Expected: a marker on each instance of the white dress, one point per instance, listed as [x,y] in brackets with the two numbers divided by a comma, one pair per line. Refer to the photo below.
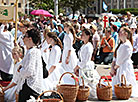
[45,51]
[10,93]
[68,42]
[123,60]
[6,46]
[54,58]
[87,71]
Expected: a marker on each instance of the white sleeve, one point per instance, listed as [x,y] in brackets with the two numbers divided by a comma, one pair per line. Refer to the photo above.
[55,54]
[29,70]
[2,28]
[70,42]
[136,46]
[85,58]
[124,53]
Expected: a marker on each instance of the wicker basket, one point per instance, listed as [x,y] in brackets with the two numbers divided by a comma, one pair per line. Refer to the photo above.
[84,91]
[69,91]
[104,92]
[1,94]
[123,91]
[51,100]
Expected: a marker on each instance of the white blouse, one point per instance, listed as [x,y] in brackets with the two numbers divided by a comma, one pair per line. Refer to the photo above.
[85,54]
[54,56]
[32,69]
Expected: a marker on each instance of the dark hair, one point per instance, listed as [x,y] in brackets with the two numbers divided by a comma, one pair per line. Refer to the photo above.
[53,35]
[35,35]
[108,29]
[5,28]
[115,53]
[88,32]
[114,28]
[23,51]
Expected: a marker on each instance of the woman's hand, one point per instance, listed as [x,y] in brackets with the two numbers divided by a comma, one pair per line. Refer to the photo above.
[51,69]
[116,67]
[76,70]
[19,68]
[67,60]
[112,72]
[5,88]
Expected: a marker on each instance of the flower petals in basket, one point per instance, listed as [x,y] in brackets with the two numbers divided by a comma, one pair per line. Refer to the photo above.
[56,97]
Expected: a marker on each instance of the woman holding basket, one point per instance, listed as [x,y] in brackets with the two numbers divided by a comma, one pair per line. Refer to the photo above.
[122,63]
[85,67]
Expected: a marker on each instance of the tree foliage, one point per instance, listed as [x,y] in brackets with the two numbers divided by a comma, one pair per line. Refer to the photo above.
[75,4]
[42,4]
[123,11]
[49,4]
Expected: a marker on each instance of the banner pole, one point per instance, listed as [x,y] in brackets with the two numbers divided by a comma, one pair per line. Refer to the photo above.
[2,2]
[16,15]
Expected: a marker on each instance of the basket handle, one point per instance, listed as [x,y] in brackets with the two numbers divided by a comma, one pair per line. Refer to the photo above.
[70,74]
[82,81]
[2,89]
[122,76]
[106,78]
[50,91]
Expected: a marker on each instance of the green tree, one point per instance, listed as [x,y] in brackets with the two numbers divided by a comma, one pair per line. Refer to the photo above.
[42,4]
[75,4]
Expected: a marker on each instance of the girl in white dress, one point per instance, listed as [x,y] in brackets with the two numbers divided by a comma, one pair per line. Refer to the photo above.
[69,57]
[53,66]
[122,63]
[45,47]
[85,67]
[11,89]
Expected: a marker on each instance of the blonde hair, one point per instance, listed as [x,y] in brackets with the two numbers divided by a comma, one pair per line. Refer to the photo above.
[46,30]
[72,30]
[129,36]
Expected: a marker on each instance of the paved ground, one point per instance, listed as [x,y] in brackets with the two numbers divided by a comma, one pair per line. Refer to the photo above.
[104,70]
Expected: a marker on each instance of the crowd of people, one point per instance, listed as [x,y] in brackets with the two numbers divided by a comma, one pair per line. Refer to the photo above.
[66,45]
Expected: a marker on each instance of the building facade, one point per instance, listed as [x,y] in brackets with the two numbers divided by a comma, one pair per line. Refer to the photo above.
[96,6]
[120,4]
[22,4]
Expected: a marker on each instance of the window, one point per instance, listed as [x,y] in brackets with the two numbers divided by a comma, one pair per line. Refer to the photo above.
[12,3]
[19,5]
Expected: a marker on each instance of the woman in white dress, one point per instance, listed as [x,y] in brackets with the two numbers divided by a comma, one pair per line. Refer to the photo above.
[69,58]
[31,69]
[53,66]
[11,89]
[85,67]
[122,63]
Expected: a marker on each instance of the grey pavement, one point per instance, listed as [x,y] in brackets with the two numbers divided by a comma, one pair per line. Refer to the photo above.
[104,70]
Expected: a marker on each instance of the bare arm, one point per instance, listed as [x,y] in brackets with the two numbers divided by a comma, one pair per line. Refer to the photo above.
[10,86]
[67,59]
